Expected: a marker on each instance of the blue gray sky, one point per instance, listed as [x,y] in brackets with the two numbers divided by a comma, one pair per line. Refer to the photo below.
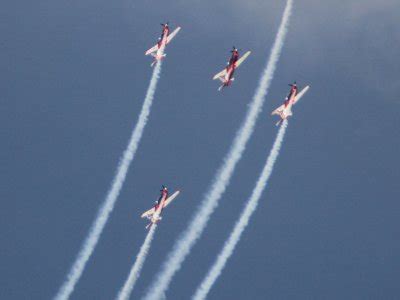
[73,80]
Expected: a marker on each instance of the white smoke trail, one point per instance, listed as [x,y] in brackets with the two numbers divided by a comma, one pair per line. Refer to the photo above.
[106,208]
[230,244]
[126,290]
[186,241]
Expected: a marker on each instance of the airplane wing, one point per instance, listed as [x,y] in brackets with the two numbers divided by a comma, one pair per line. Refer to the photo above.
[220,74]
[148,213]
[170,198]
[242,59]
[299,95]
[173,34]
[152,49]
[279,110]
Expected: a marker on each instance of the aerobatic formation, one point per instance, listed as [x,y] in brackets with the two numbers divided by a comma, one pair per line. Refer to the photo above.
[154,214]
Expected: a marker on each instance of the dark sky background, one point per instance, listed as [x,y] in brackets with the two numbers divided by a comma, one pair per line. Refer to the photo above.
[72,81]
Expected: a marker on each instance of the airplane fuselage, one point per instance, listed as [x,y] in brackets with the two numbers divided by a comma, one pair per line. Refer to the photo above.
[163,38]
[229,74]
[230,69]
[161,45]
[159,207]
[291,98]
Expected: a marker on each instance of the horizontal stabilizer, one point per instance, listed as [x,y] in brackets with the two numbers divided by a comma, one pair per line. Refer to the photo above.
[279,110]
[148,213]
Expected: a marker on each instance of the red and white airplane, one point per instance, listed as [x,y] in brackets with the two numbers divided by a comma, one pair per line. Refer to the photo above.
[285,110]
[157,51]
[226,75]
[154,214]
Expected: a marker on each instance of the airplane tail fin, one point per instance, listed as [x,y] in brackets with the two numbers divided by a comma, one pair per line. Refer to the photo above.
[153,220]
[283,116]
[283,113]
[157,58]
[225,83]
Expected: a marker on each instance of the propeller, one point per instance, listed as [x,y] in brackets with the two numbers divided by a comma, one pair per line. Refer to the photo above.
[235,49]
